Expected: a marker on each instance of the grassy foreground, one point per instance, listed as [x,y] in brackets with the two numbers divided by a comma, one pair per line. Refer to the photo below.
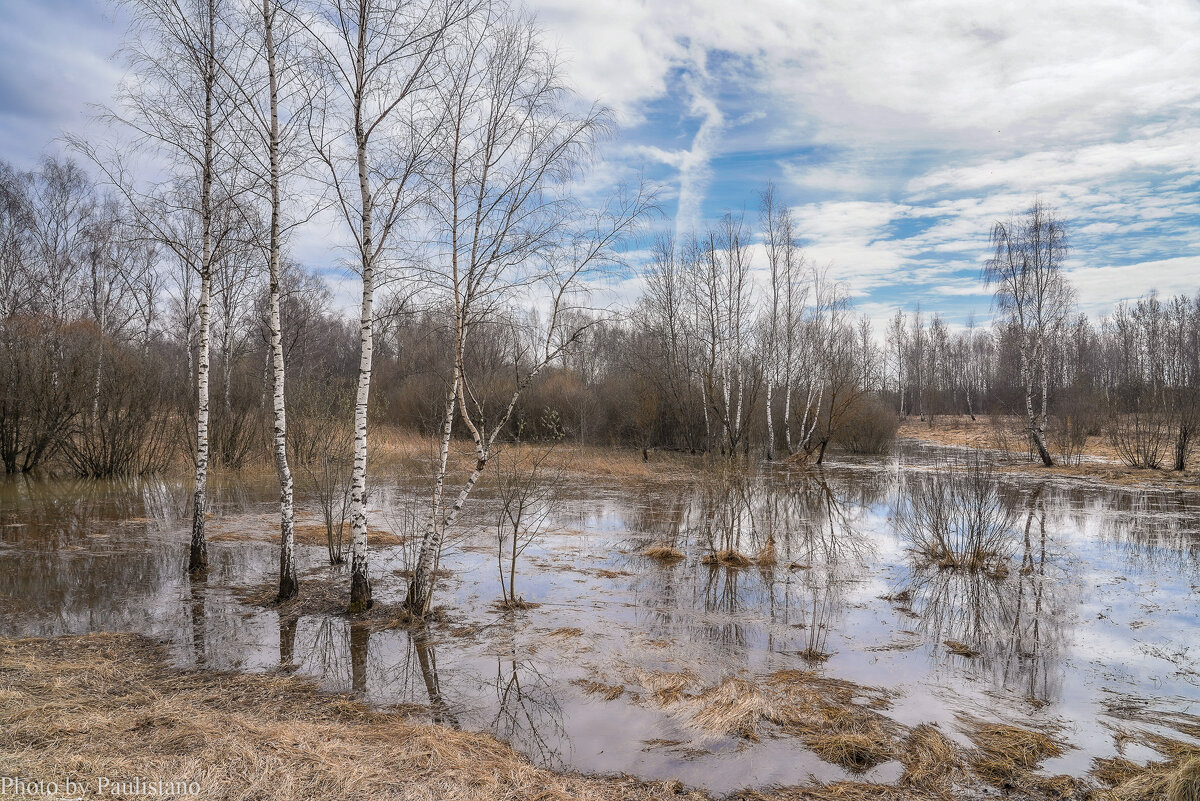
[107,705]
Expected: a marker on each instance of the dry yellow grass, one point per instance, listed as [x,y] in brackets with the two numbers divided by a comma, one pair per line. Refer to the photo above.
[315,534]
[1008,754]
[107,705]
[931,761]
[664,552]
[1185,781]
[305,533]
[1177,779]
[399,446]
[1101,461]
[960,649]
[1114,770]
[609,692]
[728,558]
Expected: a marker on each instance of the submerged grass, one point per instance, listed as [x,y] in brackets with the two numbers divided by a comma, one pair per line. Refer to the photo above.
[728,558]
[823,713]
[325,592]
[609,692]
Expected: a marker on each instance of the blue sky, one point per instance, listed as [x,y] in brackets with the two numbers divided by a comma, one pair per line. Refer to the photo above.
[898,132]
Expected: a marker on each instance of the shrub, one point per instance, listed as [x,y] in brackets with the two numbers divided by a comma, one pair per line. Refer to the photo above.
[955,517]
[1140,438]
[869,428]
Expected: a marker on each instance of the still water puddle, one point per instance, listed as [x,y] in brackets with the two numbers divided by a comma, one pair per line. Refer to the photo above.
[1091,631]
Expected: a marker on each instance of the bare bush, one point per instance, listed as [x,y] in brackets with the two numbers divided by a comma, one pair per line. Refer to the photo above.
[1140,438]
[527,482]
[956,518]
[321,441]
[1067,437]
[39,390]
[128,431]
[870,427]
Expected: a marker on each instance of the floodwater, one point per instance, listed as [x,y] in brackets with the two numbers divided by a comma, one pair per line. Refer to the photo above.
[1092,631]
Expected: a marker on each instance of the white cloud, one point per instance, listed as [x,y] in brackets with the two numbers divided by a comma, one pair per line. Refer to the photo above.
[1100,288]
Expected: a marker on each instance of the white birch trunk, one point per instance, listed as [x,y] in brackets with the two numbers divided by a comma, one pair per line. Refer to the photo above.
[360,582]
[421,584]
[787,412]
[198,552]
[770,423]
[1035,429]
[288,581]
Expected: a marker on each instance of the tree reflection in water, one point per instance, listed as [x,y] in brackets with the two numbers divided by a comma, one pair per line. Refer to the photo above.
[1010,622]
[527,714]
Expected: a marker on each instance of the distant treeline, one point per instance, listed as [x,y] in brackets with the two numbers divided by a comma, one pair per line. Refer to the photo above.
[98,352]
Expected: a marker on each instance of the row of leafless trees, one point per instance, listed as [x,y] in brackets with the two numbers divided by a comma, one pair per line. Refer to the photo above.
[732,360]
[1132,376]
[439,139]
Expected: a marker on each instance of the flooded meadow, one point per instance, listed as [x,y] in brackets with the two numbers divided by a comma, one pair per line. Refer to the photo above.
[729,629]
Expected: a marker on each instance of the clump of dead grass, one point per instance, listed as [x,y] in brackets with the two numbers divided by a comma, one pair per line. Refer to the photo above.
[663,687]
[822,712]
[931,761]
[1184,784]
[609,692]
[1008,754]
[664,552]
[727,558]
[1114,770]
[1172,780]
[517,604]
[566,632]
[960,649]
[855,751]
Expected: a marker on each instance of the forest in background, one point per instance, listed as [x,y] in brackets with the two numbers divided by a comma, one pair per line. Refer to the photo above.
[99,352]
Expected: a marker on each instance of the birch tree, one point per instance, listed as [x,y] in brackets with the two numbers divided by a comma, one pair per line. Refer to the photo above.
[269,84]
[177,107]
[509,228]
[1035,298]
[370,128]
[773,234]
[788,300]
[897,340]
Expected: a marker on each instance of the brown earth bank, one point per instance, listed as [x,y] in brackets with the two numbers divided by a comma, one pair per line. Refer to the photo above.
[1005,438]
[108,705]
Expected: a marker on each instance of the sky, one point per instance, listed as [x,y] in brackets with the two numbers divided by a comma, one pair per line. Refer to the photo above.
[898,132]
